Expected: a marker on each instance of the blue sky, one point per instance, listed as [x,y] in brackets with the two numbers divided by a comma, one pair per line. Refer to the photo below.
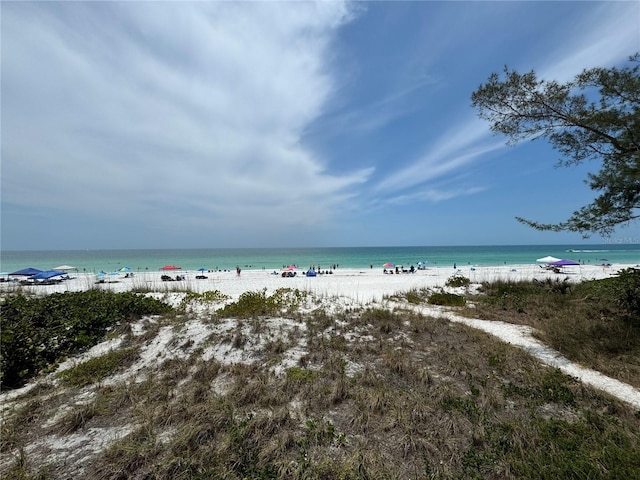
[275,124]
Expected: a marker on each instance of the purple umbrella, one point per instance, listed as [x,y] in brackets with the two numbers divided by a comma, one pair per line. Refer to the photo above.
[564,263]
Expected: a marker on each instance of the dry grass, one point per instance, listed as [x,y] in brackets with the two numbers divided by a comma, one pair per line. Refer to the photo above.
[579,321]
[373,394]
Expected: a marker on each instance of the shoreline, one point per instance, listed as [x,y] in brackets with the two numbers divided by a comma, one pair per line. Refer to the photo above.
[150,260]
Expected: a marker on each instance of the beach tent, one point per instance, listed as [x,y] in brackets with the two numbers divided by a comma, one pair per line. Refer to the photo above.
[311,273]
[548,259]
[26,272]
[64,268]
[45,275]
[564,263]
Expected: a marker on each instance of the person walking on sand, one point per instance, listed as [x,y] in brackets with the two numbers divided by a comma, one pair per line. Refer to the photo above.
[238,270]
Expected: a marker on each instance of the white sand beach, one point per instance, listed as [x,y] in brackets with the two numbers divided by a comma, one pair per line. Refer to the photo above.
[355,285]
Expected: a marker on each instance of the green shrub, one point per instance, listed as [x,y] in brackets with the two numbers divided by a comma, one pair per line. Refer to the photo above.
[210,296]
[259,304]
[626,293]
[38,331]
[458,280]
[446,299]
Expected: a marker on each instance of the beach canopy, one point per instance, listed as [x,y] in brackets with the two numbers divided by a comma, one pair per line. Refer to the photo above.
[26,272]
[170,267]
[548,259]
[564,263]
[45,275]
[64,268]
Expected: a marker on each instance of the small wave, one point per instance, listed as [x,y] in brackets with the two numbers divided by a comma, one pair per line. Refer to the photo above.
[587,251]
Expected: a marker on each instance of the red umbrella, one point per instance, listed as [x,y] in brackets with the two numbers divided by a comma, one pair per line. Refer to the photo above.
[171,267]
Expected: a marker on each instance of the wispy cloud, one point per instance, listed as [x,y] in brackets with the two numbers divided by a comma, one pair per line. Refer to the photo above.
[367,118]
[608,35]
[170,112]
[457,148]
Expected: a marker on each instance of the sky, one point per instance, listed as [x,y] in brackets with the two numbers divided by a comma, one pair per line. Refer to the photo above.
[285,124]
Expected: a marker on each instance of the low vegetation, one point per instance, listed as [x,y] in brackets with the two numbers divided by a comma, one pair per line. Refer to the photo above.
[595,323]
[359,393]
[257,304]
[39,331]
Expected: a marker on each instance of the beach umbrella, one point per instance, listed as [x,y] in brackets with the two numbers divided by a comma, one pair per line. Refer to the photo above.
[203,269]
[388,265]
[170,267]
[64,268]
[548,259]
[26,272]
[125,269]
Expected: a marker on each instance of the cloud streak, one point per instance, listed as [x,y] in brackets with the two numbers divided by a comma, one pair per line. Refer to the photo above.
[173,108]
[455,150]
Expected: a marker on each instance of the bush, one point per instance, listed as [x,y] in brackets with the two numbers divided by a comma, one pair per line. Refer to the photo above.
[259,304]
[626,293]
[38,331]
[458,280]
[446,299]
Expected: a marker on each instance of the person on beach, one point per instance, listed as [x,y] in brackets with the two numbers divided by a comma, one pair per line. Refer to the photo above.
[238,270]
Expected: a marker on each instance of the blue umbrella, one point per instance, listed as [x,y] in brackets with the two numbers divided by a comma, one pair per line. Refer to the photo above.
[125,269]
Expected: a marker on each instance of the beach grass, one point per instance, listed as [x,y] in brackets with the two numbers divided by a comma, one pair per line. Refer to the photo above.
[592,323]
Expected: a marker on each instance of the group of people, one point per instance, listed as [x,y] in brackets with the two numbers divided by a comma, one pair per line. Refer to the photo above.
[399,270]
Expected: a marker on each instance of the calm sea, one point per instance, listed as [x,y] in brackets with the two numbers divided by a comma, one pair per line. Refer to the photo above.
[275,258]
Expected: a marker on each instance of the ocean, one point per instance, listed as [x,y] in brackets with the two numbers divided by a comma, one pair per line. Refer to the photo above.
[346,257]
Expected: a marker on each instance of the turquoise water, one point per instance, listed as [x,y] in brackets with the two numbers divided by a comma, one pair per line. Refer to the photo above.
[275,258]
